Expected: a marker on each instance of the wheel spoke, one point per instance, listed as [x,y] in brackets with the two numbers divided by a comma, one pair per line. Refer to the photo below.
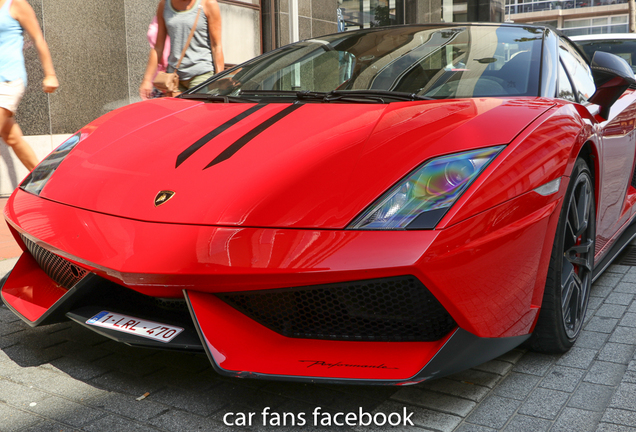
[566,296]
[575,222]
[569,239]
[578,256]
[570,299]
[575,312]
[581,229]
[582,209]
[567,273]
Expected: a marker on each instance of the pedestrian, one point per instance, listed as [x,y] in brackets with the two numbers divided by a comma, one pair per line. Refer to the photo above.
[15,17]
[203,56]
[163,60]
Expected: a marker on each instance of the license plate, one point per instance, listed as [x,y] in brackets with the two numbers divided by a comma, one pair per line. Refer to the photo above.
[127,324]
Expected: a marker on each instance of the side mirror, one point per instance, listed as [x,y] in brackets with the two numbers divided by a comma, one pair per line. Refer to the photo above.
[612,76]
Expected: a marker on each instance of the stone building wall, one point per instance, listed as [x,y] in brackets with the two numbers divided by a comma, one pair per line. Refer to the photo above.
[99,51]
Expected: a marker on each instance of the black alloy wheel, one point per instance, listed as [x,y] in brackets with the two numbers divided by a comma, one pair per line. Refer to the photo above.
[569,280]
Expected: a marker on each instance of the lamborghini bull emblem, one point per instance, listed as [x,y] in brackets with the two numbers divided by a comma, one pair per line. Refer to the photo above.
[163,197]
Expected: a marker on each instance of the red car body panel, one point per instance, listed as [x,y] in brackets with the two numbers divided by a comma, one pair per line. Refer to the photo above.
[616,195]
[32,292]
[338,165]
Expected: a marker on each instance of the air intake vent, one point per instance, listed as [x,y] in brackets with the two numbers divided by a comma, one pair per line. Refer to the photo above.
[63,272]
[393,309]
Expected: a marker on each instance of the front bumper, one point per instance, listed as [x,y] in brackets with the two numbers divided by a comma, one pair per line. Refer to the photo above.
[487,272]
[239,347]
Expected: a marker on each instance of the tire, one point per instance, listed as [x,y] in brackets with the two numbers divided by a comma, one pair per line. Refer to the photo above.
[569,279]
[2,281]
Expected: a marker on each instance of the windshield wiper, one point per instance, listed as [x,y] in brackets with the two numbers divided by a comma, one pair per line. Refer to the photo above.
[369,96]
[216,98]
[306,95]
[402,96]
[277,93]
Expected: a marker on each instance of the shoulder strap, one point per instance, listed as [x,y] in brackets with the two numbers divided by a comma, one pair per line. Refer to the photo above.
[7,4]
[187,44]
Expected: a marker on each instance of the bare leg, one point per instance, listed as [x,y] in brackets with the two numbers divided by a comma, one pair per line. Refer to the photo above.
[11,133]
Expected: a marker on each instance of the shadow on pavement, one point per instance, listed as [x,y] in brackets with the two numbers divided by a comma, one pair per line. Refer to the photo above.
[71,363]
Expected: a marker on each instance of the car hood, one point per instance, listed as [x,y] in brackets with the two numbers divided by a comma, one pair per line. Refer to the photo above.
[309,165]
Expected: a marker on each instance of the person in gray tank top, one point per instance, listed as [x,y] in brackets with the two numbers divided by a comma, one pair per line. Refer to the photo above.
[204,56]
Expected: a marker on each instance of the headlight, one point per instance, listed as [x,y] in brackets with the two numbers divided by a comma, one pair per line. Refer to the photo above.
[37,179]
[421,199]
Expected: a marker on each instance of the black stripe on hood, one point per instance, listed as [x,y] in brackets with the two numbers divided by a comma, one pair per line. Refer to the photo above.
[214,133]
[241,142]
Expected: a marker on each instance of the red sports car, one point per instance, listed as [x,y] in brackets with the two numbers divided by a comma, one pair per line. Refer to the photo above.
[387,205]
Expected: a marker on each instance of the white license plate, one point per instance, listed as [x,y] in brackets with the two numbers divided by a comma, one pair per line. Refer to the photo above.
[127,324]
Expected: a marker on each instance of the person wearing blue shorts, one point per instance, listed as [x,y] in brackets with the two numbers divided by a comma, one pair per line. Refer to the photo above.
[15,17]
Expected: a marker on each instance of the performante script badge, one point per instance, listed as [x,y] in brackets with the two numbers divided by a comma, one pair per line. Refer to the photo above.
[163,197]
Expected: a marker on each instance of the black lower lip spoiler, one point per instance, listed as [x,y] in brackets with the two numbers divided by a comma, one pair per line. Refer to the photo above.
[462,351]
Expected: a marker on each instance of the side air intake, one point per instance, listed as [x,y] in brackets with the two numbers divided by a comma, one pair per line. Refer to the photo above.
[62,271]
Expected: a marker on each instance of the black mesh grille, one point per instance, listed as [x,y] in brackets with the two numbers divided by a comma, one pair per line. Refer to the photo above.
[63,272]
[391,309]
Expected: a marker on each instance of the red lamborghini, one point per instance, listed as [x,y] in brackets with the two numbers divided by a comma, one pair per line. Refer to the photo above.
[388,205]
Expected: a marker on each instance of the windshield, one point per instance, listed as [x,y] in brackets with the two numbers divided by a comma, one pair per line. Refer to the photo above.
[428,61]
[621,47]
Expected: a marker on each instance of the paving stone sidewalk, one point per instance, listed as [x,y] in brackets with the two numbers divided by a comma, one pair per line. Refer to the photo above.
[66,378]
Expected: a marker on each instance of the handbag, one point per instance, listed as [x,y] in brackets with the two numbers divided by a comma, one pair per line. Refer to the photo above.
[168,82]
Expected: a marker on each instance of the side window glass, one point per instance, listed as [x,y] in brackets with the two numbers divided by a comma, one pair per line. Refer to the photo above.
[578,70]
[565,90]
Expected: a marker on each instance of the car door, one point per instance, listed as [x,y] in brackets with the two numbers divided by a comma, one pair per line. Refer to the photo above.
[617,150]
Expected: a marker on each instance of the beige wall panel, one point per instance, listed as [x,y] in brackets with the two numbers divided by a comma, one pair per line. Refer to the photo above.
[241,33]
